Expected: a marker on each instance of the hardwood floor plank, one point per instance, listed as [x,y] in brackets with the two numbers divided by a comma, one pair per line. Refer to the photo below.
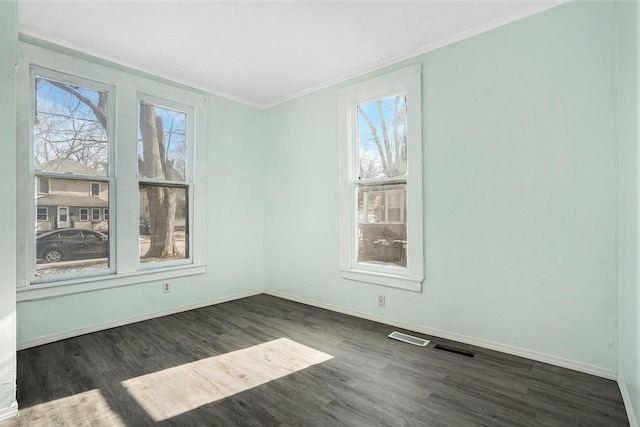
[370,380]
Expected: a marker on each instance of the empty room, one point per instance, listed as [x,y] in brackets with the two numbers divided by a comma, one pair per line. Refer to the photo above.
[319,213]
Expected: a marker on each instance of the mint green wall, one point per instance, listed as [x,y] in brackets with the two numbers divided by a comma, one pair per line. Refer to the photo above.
[627,19]
[8,58]
[234,225]
[520,191]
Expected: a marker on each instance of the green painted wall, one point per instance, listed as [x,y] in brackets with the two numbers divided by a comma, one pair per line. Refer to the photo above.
[627,38]
[8,58]
[519,187]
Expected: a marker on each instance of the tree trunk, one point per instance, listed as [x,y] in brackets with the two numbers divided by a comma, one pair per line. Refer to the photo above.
[162,199]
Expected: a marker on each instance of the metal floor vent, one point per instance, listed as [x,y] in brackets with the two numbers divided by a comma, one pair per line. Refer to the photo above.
[408,338]
[455,350]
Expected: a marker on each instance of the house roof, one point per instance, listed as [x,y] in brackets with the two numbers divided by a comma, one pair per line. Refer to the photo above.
[66,200]
[68,166]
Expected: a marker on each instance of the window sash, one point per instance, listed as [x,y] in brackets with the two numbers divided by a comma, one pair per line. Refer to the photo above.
[39,175]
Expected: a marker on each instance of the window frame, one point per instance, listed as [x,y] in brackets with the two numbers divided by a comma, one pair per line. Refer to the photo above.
[37,71]
[407,81]
[127,83]
[41,180]
[91,184]
[187,184]
[86,215]
[94,217]
[46,213]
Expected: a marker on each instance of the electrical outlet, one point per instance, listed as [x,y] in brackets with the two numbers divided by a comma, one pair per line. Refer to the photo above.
[166,287]
[380,300]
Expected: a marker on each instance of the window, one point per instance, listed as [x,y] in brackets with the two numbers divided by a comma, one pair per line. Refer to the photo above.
[42,214]
[95,189]
[71,147]
[381,180]
[43,185]
[78,123]
[164,184]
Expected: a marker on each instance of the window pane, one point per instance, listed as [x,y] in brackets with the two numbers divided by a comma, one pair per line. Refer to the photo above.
[164,223]
[42,214]
[382,137]
[95,189]
[43,185]
[382,229]
[66,240]
[162,148]
[70,130]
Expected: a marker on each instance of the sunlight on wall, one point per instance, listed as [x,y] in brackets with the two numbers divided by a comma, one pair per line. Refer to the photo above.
[173,391]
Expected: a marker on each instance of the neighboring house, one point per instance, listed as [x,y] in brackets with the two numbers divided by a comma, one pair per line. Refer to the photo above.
[70,203]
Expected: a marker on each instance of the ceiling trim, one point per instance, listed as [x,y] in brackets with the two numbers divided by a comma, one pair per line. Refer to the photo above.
[421,51]
[31,36]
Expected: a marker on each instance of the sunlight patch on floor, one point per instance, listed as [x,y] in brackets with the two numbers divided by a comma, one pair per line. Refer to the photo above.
[88,408]
[165,394]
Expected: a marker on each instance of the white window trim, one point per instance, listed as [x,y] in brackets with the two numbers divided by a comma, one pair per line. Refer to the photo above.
[40,185]
[91,189]
[46,211]
[86,215]
[93,216]
[407,80]
[124,267]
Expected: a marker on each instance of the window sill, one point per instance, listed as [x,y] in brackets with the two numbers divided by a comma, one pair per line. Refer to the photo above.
[67,287]
[390,280]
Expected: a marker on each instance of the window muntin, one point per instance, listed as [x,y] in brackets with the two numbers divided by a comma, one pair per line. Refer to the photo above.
[70,150]
[381,237]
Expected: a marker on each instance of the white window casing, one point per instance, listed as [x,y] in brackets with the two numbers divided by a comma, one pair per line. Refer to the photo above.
[405,82]
[119,182]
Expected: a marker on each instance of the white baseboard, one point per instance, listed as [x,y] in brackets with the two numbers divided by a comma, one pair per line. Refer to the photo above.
[128,320]
[9,412]
[626,398]
[528,354]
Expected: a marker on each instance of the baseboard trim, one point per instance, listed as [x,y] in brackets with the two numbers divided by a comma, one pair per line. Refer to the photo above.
[22,345]
[9,412]
[490,345]
[626,398]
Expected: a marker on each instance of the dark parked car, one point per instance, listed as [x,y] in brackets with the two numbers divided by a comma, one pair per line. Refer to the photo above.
[70,244]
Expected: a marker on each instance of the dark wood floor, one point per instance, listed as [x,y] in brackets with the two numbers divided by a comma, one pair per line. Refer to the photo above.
[370,381]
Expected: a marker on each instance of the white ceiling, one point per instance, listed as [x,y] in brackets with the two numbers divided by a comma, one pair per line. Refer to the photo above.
[264,52]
